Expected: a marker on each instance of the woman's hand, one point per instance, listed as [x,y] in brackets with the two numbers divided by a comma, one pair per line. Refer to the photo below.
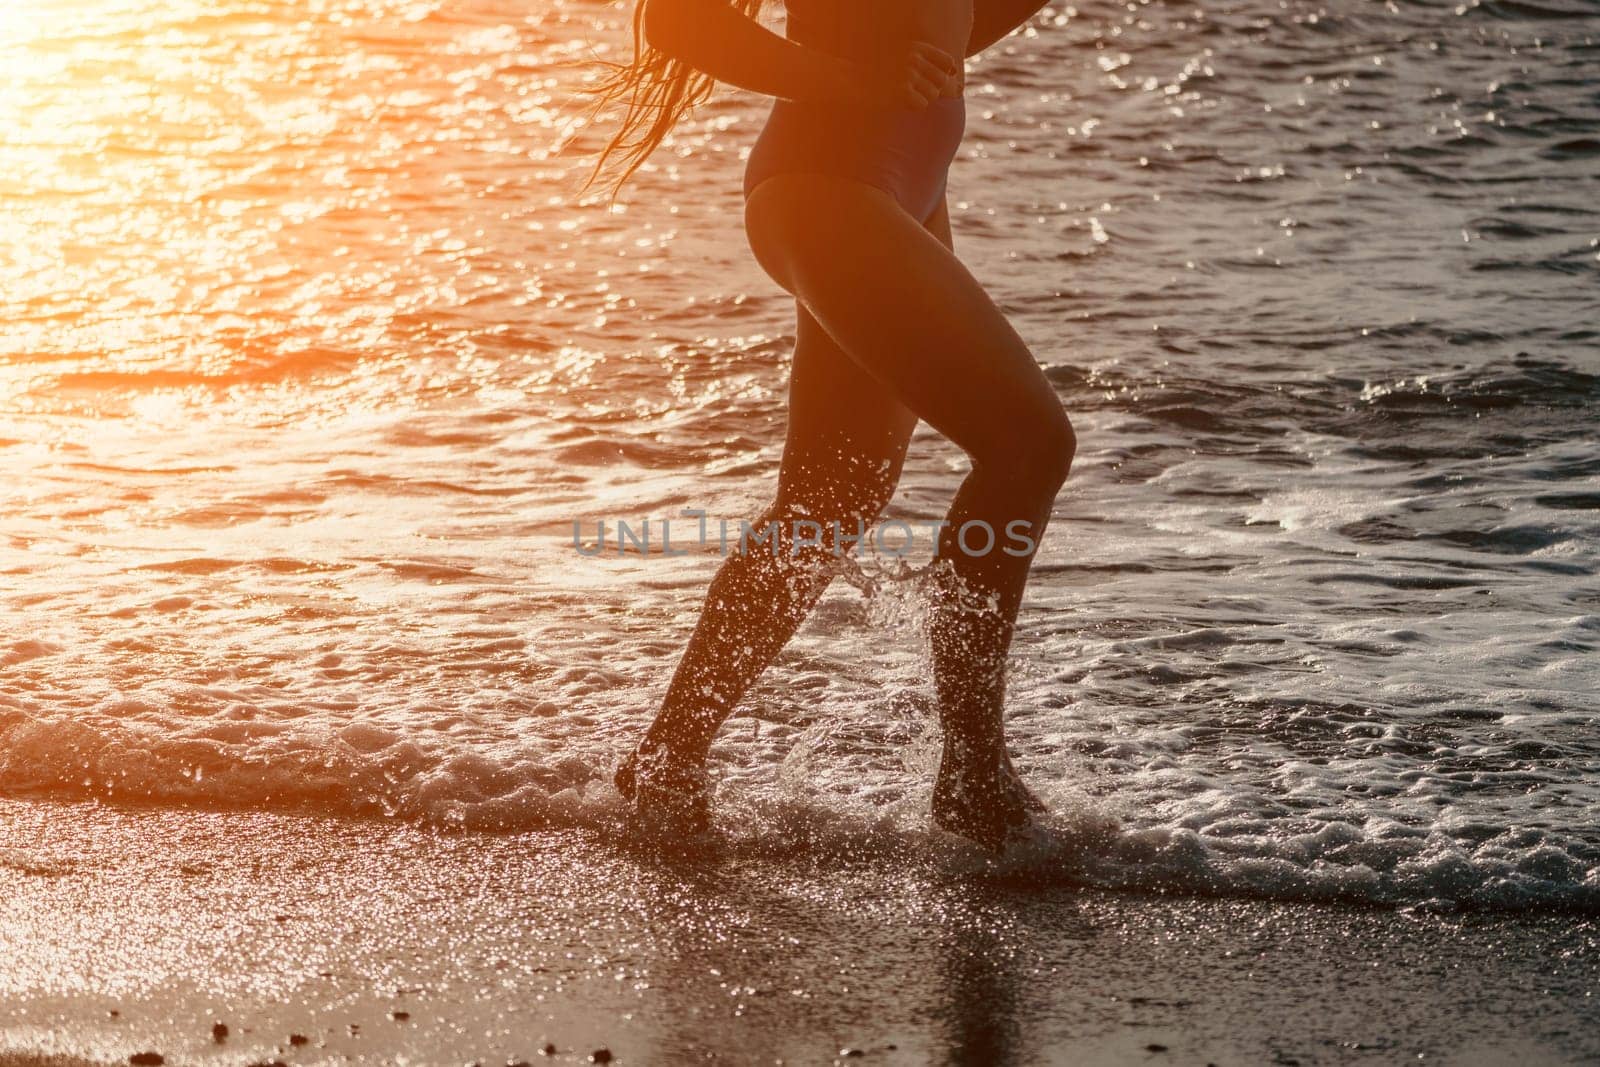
[921,75]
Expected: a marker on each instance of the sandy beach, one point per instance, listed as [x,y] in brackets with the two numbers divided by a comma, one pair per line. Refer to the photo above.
[315,941]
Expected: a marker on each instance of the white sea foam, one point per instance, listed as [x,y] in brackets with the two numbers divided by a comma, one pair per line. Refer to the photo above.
[1214,843]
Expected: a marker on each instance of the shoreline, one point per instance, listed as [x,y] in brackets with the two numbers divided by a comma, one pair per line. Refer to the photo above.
[386,943]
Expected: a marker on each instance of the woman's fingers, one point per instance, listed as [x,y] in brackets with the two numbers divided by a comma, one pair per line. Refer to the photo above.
[934,69]
[926,87]
[930,72]
[943,70]
[936,56]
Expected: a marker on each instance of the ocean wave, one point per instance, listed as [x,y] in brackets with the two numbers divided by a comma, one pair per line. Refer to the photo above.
[365,771]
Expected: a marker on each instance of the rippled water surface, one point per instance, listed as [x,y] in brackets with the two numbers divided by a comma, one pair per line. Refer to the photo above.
[310,360]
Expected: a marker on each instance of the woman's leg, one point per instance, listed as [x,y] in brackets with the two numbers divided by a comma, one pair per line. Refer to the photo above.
[846,439]
[898,301]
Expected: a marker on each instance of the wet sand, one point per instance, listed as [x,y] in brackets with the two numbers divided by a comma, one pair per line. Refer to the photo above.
[131,931]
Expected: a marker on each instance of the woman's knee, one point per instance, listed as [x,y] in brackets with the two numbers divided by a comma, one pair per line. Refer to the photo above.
[1037,456]
[848,512]
[1060,448]
[843,481]
[831,522]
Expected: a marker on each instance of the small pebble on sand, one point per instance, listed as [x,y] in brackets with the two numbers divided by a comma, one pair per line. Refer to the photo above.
[399,1016]
[600,1055]
[298,1039]
[147,1059]
[549,1049]
[219,1032]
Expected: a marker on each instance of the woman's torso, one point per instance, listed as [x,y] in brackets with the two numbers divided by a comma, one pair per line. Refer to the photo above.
[902,150]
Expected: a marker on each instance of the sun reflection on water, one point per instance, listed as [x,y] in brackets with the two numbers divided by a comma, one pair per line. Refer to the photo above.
[206,187]
[244,240]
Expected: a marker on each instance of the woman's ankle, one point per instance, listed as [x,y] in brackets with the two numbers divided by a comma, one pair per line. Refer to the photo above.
[975,752]
[671,750]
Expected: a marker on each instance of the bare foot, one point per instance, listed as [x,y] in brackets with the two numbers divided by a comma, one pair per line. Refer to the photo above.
[982,800]
[667,794]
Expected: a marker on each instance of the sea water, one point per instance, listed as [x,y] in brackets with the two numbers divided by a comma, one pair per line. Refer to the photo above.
[312,361]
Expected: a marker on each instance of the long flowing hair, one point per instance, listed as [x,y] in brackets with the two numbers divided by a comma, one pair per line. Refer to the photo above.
[657,91]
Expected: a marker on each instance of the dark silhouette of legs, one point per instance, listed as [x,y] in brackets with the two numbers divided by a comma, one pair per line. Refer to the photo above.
[846,439]
[892,328]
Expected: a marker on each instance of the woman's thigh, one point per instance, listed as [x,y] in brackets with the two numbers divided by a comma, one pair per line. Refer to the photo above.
[897,303]
[848,431]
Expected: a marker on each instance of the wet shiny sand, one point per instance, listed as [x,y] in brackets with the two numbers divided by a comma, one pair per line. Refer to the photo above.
[388,943]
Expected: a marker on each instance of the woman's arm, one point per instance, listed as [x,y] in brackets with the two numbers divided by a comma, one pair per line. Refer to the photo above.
[994,19]
[716,38]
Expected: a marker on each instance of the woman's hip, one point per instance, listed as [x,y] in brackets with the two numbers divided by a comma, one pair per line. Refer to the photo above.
[904,152]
